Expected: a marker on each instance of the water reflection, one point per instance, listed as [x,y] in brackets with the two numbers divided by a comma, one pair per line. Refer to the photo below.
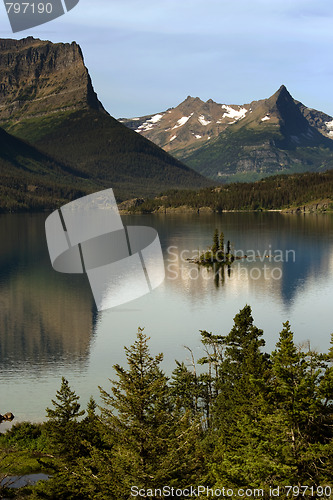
[290,251]
[49,326]
[45,317]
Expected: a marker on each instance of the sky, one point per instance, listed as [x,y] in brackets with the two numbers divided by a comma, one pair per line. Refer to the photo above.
[147,56]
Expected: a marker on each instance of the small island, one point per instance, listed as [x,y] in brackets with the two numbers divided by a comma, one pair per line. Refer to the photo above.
[218,253]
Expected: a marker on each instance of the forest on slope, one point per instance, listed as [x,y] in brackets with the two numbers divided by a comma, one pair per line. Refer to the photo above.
[272,193]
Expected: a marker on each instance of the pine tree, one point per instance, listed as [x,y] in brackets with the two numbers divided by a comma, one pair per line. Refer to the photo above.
[222,242]
[300,411]
[244,362]
[67,408]
[216,243]
[185,388]
[228,249]
[62,426]
[238,408]
[138,414]
[213,347]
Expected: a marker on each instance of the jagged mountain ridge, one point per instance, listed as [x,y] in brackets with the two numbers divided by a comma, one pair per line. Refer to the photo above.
[47,99]
[188,126]
[248,141]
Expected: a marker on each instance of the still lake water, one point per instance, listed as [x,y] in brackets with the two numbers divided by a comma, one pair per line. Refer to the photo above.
[49,325]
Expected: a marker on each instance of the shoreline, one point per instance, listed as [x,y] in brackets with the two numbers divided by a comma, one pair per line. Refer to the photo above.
[313,207]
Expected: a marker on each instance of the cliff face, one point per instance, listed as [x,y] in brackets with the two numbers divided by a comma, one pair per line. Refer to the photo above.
[39,77]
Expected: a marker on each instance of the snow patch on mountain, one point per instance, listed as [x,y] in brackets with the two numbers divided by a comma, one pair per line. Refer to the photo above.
[203,120]
[233,113]
[265,118]
[148,125]
[329,126]
[182,121]
[173,138]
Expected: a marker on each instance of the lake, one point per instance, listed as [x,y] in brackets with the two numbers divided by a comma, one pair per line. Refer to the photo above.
[50,327]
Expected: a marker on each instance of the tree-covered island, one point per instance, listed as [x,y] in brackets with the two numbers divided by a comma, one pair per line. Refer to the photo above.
[218,253]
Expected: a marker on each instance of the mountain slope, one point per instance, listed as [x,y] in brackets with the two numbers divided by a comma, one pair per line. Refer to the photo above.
[245,142]
[47,98]
[187,127]
[33,180]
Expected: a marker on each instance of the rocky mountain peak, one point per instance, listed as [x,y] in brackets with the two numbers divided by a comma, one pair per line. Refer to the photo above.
[38,77]
[283,89]
[281,96]
[262,136]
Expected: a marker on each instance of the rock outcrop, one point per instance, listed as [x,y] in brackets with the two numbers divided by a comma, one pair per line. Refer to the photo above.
[39,77]
[7,417]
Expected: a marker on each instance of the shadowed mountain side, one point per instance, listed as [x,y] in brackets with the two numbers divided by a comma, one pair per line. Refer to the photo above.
[34,180]
[107,151]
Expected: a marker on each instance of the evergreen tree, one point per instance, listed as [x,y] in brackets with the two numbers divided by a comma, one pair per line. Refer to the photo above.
[213,348]
[228,248]
[138,414]
[185,389]
[216,243]
[244,363]
[67,408]
[301,416]
[62,425]
[222,242]
[239,406]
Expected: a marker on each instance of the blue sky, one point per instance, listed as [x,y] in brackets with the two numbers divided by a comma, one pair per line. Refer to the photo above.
[147,56]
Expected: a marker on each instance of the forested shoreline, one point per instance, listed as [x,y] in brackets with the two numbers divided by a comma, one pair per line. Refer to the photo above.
[272,193]
[245,419]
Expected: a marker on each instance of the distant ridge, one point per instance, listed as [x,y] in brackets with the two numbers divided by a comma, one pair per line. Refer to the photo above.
[47,99]
[243,142]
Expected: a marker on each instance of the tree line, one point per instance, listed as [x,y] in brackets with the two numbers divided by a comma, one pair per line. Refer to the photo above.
[237,418]
[275,192]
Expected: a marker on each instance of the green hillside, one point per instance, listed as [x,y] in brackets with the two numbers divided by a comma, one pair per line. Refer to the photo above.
[234,154]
